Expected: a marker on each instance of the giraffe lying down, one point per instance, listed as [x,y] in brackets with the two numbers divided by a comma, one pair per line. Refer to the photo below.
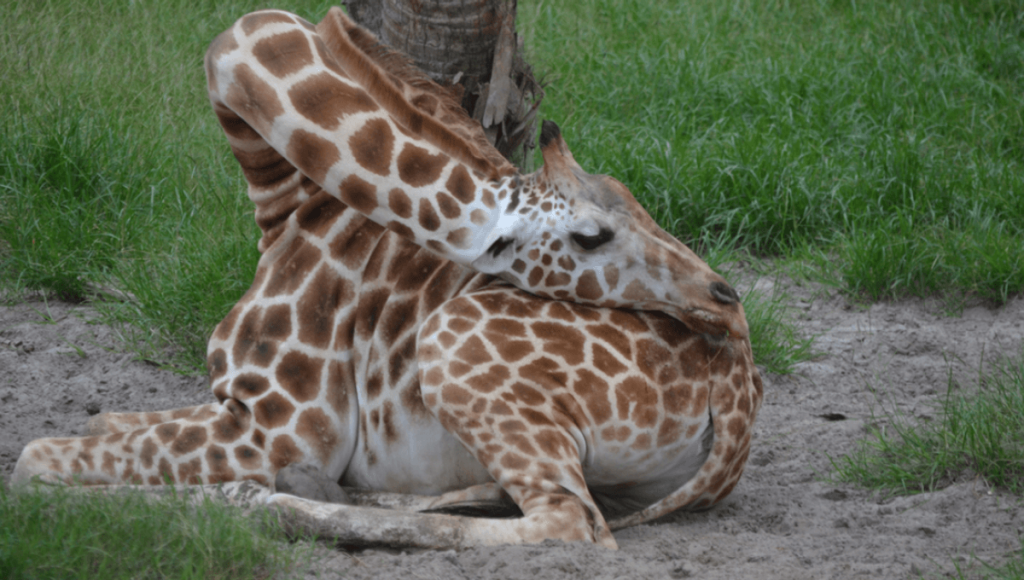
[425,320]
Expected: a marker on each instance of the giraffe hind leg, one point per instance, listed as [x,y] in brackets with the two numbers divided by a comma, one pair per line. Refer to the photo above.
[554,505]
[549,511]
[203,448]
[107,423]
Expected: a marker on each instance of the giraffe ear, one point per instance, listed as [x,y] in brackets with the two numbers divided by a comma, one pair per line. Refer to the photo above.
[549,131]
[558,160]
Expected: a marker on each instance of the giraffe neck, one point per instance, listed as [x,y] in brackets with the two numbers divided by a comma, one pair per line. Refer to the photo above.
[383,146]
[334,116]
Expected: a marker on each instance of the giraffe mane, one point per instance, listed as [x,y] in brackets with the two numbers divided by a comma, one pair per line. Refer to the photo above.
[433,114]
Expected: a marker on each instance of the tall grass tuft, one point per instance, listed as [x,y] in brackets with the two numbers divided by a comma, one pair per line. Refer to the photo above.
[71,187]
[775,341]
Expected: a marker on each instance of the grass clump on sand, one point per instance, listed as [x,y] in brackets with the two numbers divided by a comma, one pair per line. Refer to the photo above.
[1011,570]
[66,534]
[977,431]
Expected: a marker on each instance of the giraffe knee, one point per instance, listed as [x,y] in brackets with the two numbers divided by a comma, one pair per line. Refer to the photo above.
[307,481]
[37,461]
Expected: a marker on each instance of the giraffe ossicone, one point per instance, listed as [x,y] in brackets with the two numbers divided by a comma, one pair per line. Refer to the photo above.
[427,321]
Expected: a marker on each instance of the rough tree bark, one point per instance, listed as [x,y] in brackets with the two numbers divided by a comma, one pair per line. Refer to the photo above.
[472,43]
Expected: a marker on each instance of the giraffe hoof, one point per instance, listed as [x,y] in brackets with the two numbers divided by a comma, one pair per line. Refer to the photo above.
[306,481]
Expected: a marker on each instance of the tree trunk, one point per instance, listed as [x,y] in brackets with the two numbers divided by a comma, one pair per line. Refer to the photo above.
[472,43]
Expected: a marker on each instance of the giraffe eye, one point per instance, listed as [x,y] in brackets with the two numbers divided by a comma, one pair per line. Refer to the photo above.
[592,242]
[499,246]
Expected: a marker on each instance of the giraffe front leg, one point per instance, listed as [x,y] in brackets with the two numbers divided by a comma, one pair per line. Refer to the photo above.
[210,449]
[357,526]
[529,449]
[107,423]
[550,512]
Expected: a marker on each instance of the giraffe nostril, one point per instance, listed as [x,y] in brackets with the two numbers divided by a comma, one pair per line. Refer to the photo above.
[724,293]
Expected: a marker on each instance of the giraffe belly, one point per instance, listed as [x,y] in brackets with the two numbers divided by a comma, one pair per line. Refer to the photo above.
[425,460]
[623,480]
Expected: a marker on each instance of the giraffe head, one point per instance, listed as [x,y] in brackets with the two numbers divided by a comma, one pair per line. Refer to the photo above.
[567,234]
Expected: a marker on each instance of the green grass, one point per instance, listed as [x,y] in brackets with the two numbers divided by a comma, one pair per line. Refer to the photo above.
[65,188]
[978,431]
[776,343]
[854,128]
[114,173]
[1011,570]
[64,535]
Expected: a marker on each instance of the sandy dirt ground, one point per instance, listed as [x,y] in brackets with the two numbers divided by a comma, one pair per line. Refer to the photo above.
[783,521]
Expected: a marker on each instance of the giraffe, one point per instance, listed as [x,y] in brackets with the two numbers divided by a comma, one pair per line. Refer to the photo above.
[426,320]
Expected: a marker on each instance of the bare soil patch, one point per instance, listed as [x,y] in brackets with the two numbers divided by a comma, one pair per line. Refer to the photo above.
[57,368]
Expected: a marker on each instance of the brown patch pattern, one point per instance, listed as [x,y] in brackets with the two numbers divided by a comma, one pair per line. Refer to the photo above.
[284,54]
[273,411]
[313,154]
[461,185]
[372,146]
[316,428]
[326,100]
[326,294]
[417,167]
[359,193]
[254,99]
[299,375]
